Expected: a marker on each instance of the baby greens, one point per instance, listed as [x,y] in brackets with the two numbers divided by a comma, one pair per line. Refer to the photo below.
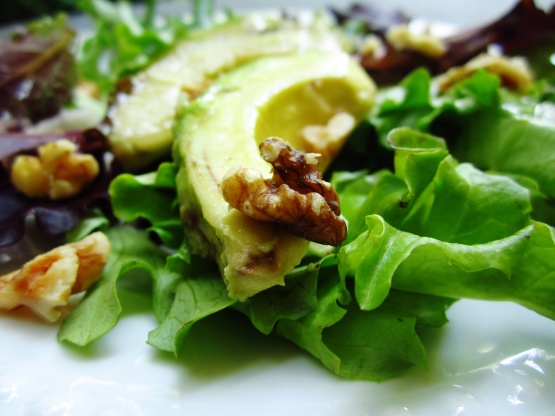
[457,205]
[421,235]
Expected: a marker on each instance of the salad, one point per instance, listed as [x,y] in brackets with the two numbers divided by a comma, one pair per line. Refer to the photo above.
[445,184]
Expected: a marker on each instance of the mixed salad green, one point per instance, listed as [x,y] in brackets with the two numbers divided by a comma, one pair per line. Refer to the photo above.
[447,195]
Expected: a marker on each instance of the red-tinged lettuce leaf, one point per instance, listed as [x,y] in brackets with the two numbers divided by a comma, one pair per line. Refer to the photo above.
[524,26]
[391,65]
[368,18]
[38,71]
[394,65]
[517,32]
[53,218]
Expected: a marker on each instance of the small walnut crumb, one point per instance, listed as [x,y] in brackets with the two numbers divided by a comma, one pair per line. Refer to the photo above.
[329,139]
[372,45]
[514,72]
[89,89]
[295,197]
[401,38]
[45,283]
[58,172]
[195,89]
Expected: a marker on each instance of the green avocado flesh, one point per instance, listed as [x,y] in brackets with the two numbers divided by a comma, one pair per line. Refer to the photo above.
[220,130]
[142,120]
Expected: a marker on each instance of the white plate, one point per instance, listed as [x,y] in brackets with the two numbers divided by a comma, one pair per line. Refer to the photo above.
[491,359]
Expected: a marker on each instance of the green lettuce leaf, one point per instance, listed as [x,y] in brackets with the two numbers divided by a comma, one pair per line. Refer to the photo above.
[431,194]
[199,292]
[451,214]
[93,220]
[150,196]
[519,268]
[385,342]
[165,282]
[497,133]
[291,302]
[356,344]
[123,42]
[100,310]
[403,105]
[481,122]
[479,222]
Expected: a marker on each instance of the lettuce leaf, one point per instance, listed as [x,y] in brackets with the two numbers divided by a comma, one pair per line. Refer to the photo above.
[356,344]
[481,122]
[38,71]
[293,301]
[433,195]
[518,268]
[383,343]
[432,231]
[100,309]
[497,133]
[123,42]
[199,291]
[454,232]
[150,197]
[427,229]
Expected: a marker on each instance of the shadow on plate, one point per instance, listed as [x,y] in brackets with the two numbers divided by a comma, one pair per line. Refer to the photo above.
[226,343]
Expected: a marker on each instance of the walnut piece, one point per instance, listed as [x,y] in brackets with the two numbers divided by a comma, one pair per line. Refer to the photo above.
[329,139]
[295,197]
[402,38]
[45,283]
[372,45]
[58,172]
[514,72]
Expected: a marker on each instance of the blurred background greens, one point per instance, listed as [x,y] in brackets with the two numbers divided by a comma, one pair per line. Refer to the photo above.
[18,10]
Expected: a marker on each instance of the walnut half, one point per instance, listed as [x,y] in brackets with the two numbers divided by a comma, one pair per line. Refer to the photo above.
[514,72]
[45,283]
[329,139]
[58,172]
[402,38]
[295,197]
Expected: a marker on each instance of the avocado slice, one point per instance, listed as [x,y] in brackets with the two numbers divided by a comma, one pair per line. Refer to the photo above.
[141,120]
[276,96]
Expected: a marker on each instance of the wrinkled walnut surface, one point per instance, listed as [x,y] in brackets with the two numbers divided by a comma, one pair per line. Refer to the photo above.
[45,283]
[328,140]
[57,172]
[295,197]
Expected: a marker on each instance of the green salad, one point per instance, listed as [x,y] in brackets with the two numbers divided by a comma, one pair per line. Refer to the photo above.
[447,190]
